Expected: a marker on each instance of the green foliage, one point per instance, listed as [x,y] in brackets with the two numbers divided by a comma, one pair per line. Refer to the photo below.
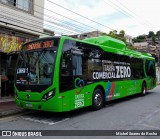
[154,39]
[104,34]
[151,34]
[140,38]
[158,34]
[120,36]
[116,35]
[122,33]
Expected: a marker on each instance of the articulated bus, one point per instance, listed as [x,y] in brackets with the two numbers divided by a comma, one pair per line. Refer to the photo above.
[60,74]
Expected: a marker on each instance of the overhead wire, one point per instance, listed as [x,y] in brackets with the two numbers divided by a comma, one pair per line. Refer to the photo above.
[58,24]
[67,25]
[22,27]
[80,15]
[133,12]
[67,17]
[28,24]
[24,23]
[28,19]
[117,7]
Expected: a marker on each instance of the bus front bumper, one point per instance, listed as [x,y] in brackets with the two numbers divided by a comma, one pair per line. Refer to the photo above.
[42,106]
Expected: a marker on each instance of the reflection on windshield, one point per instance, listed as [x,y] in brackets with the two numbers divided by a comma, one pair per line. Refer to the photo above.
[36,67]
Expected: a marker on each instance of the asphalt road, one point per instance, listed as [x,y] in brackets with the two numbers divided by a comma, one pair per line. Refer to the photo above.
[131,113]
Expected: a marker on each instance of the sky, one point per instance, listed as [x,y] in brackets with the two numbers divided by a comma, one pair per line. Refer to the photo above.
[135,17]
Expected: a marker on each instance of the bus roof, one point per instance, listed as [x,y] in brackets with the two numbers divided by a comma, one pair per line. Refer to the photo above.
[107,41]
[107,44]
[118,46]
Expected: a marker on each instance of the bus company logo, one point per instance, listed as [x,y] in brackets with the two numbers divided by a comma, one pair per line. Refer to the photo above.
[6,133]
[79,85]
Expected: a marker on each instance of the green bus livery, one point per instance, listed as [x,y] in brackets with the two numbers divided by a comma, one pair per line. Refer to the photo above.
[60,74]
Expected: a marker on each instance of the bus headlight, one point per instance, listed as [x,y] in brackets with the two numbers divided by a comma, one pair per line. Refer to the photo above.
[48,95]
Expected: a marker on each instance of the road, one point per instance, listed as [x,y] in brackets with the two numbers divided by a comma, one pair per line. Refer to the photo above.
[131,113]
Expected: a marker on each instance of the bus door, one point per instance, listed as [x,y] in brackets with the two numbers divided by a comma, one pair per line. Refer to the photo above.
[71,82]
[79,94]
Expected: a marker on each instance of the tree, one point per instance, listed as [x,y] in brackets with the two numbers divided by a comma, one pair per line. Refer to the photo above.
[151,34]
[115,31]
[140,38]
[120,36]
[103,33]
[122,33]
[153,39]
[113,34]
[158,34]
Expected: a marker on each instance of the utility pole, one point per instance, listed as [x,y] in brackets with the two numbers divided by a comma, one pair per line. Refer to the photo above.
[158,64]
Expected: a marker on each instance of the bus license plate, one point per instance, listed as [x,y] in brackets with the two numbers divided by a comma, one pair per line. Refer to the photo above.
[29,105]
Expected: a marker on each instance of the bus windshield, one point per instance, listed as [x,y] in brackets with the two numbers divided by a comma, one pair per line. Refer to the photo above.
[36,67]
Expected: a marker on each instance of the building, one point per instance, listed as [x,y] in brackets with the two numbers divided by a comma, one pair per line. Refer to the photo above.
[87,35]
[128,39]
[141,46]
[154,50]
[20,22]
[47,33]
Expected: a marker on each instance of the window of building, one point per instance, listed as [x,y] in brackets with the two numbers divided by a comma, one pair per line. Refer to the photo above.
[26,5]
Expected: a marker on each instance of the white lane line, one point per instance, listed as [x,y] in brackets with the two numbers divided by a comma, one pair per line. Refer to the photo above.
[45,121]
[53,123]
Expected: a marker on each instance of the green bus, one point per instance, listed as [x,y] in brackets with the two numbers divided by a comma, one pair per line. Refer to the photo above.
[60,74]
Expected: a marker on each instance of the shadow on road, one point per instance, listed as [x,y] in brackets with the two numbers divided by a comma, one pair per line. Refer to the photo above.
[59,116]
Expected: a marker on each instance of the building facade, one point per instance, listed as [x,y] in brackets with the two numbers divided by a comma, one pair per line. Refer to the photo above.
[20,22]
[87,35]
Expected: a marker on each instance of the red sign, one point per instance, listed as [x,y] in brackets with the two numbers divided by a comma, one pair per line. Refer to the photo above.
[37,45]
[34,46]
[47,44]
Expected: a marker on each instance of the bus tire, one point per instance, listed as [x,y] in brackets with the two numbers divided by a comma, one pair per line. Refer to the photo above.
[97,99]
[143,93]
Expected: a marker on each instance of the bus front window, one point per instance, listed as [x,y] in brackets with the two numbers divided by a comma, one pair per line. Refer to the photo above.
[36,67]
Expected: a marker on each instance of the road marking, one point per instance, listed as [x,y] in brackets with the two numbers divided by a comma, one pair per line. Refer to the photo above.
[53,123]
[45,121]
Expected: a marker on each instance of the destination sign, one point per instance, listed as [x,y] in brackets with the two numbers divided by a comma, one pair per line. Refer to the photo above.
[37,45]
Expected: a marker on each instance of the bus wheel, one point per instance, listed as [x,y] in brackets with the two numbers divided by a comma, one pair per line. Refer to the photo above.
[97,99]
[143,89]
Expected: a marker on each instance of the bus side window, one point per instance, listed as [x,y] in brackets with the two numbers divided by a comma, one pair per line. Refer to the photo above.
[150,68]
[66,65]
[77,64]
[66,72]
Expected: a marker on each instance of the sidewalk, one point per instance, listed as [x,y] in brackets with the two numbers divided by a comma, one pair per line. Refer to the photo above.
[8,107]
